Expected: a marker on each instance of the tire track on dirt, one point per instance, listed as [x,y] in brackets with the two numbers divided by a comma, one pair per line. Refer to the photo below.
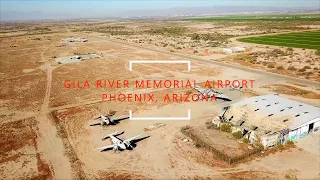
[50,145]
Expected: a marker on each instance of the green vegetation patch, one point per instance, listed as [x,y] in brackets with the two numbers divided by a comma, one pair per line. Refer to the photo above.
[237,135]
[308,40]
[112,30]
[169,31]
[225,127]
[291,17]
[210,37]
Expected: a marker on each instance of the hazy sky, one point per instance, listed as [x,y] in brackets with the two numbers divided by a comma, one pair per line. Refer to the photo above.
[92,8]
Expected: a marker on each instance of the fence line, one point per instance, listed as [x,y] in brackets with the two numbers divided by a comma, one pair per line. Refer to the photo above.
[224,157]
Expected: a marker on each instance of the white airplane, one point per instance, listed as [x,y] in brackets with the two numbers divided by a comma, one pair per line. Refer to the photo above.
[118,144]
[208,93]
[105,120]
[237,87]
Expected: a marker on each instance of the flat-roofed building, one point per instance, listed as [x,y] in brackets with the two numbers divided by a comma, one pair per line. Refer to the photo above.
[271,118]
[234,50]
[72,39]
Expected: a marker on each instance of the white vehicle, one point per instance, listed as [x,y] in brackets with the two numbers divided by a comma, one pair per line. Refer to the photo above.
[118,144]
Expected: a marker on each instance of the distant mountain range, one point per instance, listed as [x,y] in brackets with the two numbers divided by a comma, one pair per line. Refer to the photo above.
[172,12]
[218,10]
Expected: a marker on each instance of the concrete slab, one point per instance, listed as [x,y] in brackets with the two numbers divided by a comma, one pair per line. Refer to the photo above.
[310,143]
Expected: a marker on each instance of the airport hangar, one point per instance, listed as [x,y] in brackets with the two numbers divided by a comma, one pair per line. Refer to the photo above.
[270,119]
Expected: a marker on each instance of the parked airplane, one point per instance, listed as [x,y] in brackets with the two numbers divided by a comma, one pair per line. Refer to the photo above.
[233,88]
[118,144]
[236,86]
[106,120]
[211,92]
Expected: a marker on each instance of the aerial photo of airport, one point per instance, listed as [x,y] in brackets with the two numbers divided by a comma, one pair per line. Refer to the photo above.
[162,90]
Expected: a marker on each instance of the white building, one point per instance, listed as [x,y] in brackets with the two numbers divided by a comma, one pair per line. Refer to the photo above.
[272,118]
[75,39]
[234,50]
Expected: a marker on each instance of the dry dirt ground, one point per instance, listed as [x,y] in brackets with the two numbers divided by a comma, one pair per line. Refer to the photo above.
[207,40]
[46,126]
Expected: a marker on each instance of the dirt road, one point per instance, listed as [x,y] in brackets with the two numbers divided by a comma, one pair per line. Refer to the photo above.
[49,144]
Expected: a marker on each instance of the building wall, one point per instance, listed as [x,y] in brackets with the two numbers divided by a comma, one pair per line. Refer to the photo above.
[293,134]
[270,140]
[316,126]
[303,130]
[253,137]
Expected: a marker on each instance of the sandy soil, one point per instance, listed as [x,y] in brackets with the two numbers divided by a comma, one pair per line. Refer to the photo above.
[57,142]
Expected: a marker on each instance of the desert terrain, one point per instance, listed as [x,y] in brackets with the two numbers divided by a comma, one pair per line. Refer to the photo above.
[45,126]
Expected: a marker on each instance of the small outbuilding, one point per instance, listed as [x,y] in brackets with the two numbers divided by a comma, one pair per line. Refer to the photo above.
[234,50]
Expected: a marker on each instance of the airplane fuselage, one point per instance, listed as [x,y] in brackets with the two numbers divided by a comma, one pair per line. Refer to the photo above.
[118,142]
[105,120]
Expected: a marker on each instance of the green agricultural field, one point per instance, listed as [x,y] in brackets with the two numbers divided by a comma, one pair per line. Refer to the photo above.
[307,39]
[310,17]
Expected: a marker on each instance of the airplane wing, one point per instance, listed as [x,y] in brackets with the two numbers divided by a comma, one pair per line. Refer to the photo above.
[120,119]
[199,89]
[113,134]
[104,148]
[133,138]
[95,124]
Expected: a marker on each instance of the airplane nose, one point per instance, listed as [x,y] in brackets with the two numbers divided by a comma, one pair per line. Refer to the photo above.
[122,146]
